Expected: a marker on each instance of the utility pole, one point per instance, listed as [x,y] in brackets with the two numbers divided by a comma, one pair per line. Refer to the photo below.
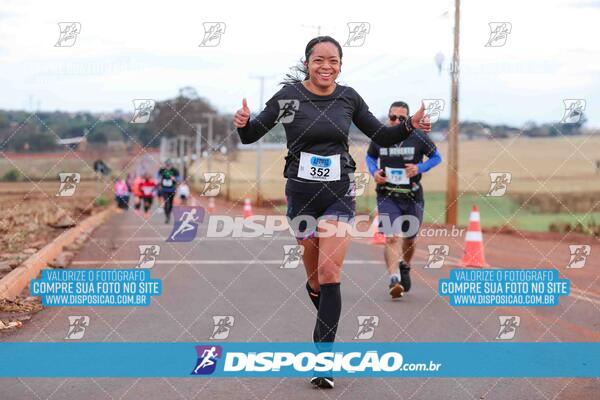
[261,78]
[181,154]
[198,145]
[198,148]
[452,178]
[228,171]
[209,142]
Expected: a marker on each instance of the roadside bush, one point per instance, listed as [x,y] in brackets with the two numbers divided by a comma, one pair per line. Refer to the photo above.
[12,175]
[101,201]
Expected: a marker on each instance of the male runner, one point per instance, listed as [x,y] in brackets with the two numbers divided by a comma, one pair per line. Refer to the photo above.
[168,177]
[400,193]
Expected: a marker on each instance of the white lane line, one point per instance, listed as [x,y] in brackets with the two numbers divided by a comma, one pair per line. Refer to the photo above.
[583,297]
[576,293]
[198,239]
[208,262]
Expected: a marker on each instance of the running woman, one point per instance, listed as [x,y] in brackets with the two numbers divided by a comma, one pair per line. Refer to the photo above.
[147,188]
[400,193]
[168,177]
[184,192]
[137,194]
[316,114]
[122,194]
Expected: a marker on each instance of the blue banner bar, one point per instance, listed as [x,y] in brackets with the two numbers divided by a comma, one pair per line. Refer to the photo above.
[223,359]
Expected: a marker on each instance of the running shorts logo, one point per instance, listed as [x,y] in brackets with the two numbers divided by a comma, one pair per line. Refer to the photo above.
[207,359]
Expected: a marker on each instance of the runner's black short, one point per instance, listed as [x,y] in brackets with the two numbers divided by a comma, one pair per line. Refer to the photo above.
[147,203]
[394,208]
[309,201]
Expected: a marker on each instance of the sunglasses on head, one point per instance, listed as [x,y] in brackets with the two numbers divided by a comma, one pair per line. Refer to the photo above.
[397,117]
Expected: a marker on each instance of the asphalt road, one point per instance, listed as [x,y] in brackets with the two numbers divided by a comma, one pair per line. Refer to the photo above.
[242,278]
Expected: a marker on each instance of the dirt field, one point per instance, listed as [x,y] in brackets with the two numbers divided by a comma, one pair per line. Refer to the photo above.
[47,166]
[30,212]
[29,208]
[557,165]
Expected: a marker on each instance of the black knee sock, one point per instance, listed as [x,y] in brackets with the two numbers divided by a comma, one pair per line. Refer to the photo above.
[314,296]
[328,316]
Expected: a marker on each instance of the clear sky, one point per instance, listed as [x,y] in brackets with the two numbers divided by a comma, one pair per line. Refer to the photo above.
[141,49]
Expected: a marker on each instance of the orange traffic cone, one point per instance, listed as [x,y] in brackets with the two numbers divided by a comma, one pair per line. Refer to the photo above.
[473,252]
[211,205]
[378,237]
[247,208]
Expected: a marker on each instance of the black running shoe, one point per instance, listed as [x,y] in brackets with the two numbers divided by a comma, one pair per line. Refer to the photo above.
[405,275]
[322,382]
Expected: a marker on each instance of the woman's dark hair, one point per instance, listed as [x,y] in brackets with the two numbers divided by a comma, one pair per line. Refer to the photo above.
[399,104]
[299,73]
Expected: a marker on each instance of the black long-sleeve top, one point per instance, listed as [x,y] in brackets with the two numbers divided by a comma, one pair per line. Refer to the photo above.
[320,124]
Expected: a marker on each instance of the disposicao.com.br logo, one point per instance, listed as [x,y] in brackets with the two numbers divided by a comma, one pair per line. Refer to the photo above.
[298,362]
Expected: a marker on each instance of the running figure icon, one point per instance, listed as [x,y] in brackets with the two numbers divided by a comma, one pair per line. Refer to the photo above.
[207,359]
[187,222]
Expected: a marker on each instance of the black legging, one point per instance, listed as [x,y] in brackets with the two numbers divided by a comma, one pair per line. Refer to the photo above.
[168,196]
[328,315]
[147,201]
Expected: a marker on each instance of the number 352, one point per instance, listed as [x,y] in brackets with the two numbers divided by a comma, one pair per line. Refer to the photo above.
[321,172]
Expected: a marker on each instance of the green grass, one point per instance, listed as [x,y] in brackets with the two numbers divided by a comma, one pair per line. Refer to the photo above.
[495,211]
[101,201]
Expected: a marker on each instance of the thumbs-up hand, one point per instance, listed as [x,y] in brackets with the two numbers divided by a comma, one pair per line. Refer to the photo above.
[420,120]
[242,115]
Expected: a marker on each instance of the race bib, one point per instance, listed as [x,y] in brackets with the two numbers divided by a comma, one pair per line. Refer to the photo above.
[319,168]
[397,176]
[147,190]
[167,182]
